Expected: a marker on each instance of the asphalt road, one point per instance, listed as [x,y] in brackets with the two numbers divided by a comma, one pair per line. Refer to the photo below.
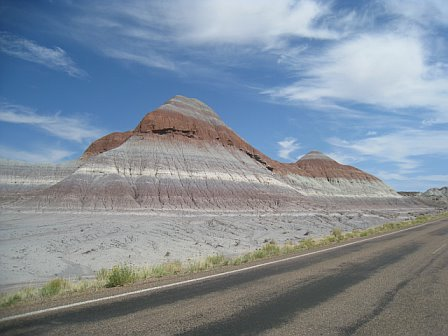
[395,285]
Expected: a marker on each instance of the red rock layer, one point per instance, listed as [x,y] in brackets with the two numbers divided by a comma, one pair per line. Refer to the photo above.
[319,165]
[106,143]
[187,119]
[181,127]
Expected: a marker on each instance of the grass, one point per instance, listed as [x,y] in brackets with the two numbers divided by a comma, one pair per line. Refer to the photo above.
[54,287]
[119,275]
[124,274]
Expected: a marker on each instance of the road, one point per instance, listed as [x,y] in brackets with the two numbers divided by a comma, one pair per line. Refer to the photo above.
[393,285]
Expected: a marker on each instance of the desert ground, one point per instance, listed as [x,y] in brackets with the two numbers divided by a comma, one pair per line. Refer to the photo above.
[39,246]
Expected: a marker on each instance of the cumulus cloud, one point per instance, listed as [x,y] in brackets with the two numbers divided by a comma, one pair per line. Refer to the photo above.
[56,58]
[68,128]
[287,146]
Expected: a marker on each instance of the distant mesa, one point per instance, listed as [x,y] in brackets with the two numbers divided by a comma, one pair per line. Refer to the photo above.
[183,156]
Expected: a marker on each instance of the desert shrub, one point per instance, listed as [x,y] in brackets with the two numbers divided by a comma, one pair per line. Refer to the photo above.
[267,250]
[170,268]
[245,258]
[82,286]
[289,247]
[330,239]
[307,243]
[349,235]
[54,287]
[9,300]
[123,274]
[337,234]
[257,254]
[102,275]
[390,226]
[271,249]
[120,275]
[24,294]
[215,260]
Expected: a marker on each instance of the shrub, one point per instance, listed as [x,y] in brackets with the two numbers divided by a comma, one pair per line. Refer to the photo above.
[337,234]
[120,275]
[307,243]
[54,287]
[349,235]
[289,247]
[11,300]
[243,259]
[170,268]
[123,274]
[102,275]
[215,260]
[270,249]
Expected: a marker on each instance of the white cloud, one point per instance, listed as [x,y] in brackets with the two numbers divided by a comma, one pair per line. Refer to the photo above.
[287,147]
[403,148]
[344,158]
[262,22]
[154,34]
[28,50]
[69,128]
[406,153]
[439,179]
[149,59]
[47,155]
[388,176]
[427,12]
[388,70]
[403,181]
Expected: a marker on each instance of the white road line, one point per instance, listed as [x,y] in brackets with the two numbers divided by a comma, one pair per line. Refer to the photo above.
[437,250]
[208,277]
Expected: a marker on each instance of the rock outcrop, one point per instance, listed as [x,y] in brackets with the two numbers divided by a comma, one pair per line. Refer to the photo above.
[319,175]
[435,196]
[183,156]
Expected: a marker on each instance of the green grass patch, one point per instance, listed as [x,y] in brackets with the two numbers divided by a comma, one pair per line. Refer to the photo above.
[25,294]
[121,275]
[54,287]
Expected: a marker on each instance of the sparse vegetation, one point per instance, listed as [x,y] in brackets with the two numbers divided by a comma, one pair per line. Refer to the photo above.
[121,275]
[337,234]
[51,289]
[54,287]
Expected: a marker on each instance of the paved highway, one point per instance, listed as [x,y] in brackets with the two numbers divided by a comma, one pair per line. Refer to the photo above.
[393,285]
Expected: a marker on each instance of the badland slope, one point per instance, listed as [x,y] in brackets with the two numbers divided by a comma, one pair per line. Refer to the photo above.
[183,156]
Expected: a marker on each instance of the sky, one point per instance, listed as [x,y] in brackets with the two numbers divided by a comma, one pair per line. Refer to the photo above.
[365,82]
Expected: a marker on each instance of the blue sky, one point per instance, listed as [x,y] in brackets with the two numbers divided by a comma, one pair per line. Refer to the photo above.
[363,81]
